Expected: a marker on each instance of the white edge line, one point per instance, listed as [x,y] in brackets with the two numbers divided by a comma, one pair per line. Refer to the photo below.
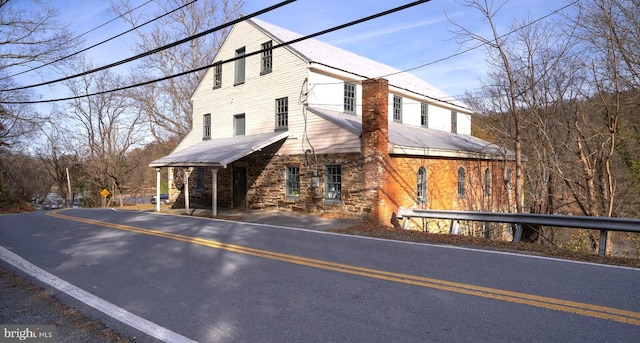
[99,304]
[405,242]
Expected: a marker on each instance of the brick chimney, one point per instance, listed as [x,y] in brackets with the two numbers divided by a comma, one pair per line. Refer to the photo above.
[375,142]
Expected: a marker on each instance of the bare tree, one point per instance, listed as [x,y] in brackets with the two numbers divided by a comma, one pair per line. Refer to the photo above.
[608,33]
[167,104]
[107,128]
[504,90]
[30,38]
[60,161]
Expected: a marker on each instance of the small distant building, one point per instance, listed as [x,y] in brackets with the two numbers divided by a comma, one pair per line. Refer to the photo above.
[314,128]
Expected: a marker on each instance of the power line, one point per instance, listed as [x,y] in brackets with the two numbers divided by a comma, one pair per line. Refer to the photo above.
[313,35]
[156,50]
[484,43]
[454,97]
[93,46]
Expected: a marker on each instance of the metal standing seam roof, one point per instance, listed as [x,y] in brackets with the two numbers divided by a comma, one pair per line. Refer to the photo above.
[410,139]
[219,152]
[315,51]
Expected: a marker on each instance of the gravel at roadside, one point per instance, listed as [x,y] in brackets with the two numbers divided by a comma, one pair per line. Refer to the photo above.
[23,303]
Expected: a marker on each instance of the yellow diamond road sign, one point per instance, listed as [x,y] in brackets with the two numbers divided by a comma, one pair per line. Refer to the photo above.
[105,193]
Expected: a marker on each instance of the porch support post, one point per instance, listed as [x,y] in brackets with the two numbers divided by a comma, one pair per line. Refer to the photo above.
[158,189]
[214,192]
[186,189]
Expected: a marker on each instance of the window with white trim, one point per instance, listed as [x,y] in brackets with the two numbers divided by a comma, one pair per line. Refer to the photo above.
[333,183]
[206,126]
[217,76]
[240,66]
[454,122]
[421,189]
[487,182]
[461,186]
[349,98]
[267,58]
[282,113]
[397,109]
[292,182]
[424,115]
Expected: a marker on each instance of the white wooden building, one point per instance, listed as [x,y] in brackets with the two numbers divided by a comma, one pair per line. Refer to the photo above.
[262,91]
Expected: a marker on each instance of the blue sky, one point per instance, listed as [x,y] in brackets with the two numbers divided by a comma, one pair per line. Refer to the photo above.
[404,40]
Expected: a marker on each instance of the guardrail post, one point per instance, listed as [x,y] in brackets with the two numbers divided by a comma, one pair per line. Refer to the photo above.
[453,230]
[602,245]
[518,235]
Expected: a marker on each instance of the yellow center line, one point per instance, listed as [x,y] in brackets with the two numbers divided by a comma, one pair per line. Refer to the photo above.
[603,312]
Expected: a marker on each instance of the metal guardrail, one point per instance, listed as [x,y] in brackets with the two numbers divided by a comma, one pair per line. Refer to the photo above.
[604,224]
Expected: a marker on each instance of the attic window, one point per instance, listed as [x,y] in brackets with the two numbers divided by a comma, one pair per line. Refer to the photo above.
[217,76]
[424,115]
[239,76]
[397,109]
[267,58]
[349,98]
[454,122]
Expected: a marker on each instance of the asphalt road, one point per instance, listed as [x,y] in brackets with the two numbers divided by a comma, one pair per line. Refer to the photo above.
[221,281]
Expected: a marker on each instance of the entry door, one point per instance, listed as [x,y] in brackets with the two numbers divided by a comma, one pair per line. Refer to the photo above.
[239,186]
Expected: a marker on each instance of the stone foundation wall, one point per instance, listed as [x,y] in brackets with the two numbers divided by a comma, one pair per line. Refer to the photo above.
[265,175]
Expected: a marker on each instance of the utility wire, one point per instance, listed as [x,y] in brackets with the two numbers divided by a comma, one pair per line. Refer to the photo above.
[313,35]
[156,50]
[93,46]
[454,97]
[484,43]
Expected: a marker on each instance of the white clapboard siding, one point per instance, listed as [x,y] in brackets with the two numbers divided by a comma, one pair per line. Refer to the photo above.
[303,83]
[322,137]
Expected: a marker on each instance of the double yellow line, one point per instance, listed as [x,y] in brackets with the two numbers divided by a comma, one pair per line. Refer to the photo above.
[603,312]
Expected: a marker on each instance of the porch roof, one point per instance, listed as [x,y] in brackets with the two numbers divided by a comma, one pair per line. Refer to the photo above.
[407,139]
[219,152]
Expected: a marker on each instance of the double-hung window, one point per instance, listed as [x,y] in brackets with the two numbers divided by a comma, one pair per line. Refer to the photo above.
[349,98]
[267,58]
[487,182]
[397,109]
[333,183]
[292,182]
[282,113]
[206,126]
[424,115]
[454,122]
[239,63]
[217,76]
[461,186]
[421,188]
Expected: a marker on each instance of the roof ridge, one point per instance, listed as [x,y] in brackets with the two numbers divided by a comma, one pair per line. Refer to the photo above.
[316,51]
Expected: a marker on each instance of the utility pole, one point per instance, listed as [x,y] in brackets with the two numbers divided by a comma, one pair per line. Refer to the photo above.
[69,189]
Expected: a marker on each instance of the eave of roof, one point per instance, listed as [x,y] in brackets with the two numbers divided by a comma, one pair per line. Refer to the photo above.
[219,152]
[407,139]
[315,51]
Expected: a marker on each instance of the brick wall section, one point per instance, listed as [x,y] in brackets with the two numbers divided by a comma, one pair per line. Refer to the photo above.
[375,142]
[442,186]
